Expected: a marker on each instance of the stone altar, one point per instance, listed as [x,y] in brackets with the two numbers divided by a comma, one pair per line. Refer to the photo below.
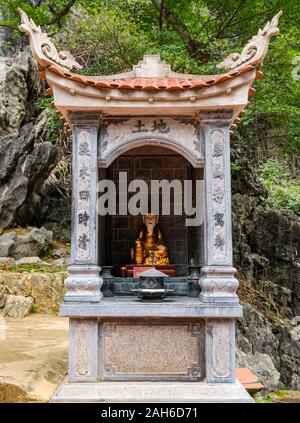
[184,339]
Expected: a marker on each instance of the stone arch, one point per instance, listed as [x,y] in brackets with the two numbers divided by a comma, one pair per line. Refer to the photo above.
[111,154]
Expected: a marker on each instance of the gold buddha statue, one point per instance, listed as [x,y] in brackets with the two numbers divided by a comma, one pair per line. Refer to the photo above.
[149,247]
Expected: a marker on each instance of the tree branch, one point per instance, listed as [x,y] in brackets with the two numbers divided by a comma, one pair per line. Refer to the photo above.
[228,21]
[194,47]
[59,14]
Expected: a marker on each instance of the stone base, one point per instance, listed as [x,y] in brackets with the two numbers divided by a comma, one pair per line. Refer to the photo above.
[147,392]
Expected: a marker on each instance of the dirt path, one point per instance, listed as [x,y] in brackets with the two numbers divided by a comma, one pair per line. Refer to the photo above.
[33,357]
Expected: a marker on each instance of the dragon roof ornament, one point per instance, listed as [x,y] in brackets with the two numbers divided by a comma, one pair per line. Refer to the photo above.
[43,50]
[151,73]
[255,50]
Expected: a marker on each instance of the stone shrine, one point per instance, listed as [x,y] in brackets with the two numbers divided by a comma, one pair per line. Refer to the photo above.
[151,123]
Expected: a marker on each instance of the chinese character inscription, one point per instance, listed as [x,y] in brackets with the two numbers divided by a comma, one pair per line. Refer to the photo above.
[83,196]
[218,195]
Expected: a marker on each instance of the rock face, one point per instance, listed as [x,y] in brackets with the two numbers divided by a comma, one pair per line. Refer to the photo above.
[266,246]
[25,159]
[14,92]
[271,351]
[46,289]
[17,306]
[6,261]
[28,260]
[24,166]
[289,353]
[245,179]
[257,347]
[262,365]
[2,296]
[32,243]
[55,215]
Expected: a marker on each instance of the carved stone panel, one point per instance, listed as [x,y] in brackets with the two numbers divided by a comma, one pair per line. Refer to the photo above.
[83,194]
[120,135]
[152,351]
[220,350]
[83,350]
[221,353]
[83,333]
[218,196]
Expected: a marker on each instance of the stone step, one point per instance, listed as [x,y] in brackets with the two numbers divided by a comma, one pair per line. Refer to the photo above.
[147,392]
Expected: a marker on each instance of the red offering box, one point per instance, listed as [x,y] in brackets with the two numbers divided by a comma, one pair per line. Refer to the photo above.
[133,270]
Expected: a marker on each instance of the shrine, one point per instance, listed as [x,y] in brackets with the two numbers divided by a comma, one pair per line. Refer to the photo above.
[151,124]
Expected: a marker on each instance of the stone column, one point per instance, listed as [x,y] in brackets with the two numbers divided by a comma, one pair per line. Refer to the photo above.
[218,284]
[84,282]
[220,350]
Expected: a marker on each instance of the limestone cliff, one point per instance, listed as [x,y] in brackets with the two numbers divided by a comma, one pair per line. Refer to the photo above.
[26,158]
[266,252]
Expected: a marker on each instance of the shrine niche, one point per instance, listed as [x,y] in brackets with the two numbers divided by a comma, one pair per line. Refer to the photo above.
[151,124]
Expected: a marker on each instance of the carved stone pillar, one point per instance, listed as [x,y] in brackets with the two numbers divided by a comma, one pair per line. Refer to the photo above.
[220,350]
[83,350]
[84,282]
[218,284]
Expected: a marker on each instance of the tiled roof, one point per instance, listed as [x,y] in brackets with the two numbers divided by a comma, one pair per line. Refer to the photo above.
[157,84]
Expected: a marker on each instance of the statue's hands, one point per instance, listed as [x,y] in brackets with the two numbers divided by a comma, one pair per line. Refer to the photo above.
[162,251]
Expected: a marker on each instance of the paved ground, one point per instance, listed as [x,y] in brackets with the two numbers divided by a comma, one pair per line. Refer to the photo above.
[33,357]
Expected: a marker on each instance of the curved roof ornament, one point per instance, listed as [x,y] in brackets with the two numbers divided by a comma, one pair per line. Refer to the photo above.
[255,50]
[43,50]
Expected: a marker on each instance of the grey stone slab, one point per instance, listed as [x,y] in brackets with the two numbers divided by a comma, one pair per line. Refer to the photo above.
[119,136]
[220,350]
[176,348]
[134,392]
[123,286]
[83,350]
[133,307]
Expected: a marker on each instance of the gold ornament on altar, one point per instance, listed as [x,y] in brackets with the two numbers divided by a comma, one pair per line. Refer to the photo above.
[149,247]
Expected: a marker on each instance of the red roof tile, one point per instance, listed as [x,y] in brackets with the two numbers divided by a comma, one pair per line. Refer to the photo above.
[248,379]
[156,84]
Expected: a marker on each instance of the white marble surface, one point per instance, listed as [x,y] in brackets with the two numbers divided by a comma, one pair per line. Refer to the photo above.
[122,306]
[190,392]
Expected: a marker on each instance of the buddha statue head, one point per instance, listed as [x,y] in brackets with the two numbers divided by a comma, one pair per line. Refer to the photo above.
[150,220]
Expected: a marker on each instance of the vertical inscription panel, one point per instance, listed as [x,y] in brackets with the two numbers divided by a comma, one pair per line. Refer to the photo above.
[83,350]
[152,351]
[218,196]
[83,195]
[220,350]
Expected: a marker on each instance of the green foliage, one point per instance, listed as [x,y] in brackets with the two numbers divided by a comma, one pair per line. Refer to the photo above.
[235,167]
[34,308]
[53,124]
[36,267]
[273,171]
[264,399]
[282,192]
[273,397]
